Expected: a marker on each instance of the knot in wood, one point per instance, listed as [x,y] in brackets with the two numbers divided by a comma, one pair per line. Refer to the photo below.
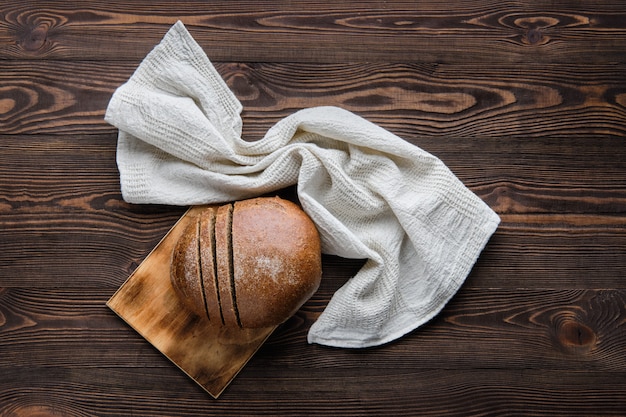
[574,335]
[534,36]
[34,39]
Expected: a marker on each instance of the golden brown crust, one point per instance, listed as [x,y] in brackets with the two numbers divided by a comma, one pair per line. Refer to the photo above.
[277,260]
[185,269]
[251,264]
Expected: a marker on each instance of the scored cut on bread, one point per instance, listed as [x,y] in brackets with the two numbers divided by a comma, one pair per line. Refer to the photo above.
[249,264]
[224,256]
[208,265]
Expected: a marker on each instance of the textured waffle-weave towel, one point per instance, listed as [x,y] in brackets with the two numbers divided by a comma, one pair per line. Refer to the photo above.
[371,194]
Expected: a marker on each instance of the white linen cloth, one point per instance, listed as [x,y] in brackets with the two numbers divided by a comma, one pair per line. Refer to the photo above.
[371,194]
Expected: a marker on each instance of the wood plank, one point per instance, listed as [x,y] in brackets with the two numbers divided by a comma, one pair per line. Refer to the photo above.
[103,252]
[562,203]
[340,392]
[432,100]
[209,353]
[45,174]
[299,31]
[555,256]
[524,329]
[524,100]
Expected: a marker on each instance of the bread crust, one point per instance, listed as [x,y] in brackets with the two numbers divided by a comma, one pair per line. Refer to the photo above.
[185,270]
[277,262]
[249,264]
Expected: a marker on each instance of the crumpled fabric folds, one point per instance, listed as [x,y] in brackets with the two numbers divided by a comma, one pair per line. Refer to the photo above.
[371,194]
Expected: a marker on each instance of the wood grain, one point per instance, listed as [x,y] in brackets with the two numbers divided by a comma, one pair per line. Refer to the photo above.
[434,100]
[525,101]
[525,329]
[399,392]
[103,253]
[561,201]
[478,392]
[212,355]
[298,31]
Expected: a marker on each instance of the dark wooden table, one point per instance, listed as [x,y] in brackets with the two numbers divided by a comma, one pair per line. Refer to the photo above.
[525,101]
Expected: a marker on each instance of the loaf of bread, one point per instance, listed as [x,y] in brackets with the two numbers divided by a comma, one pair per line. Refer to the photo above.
[249,264]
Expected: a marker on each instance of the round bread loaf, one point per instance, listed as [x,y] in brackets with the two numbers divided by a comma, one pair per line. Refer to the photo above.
[249,264]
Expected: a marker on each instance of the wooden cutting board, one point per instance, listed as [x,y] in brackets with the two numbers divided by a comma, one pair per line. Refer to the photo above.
[212,356]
